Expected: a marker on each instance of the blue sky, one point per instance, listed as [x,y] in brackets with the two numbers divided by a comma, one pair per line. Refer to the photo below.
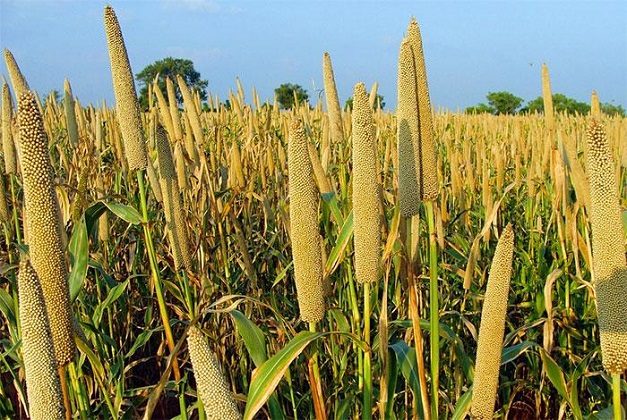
[471,47]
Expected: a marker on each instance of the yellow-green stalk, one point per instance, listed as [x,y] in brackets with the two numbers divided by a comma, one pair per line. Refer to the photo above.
[190,110]
[15,75]
[5,215]
[608,251]
[547,97]
[304,227]
[45,398]
[211,386]
[8,146]
[492,328]
[333,103]
[133,136]
[174,109]
[70,116]
[164,109]
[127,105]
[595,106]
[44,232]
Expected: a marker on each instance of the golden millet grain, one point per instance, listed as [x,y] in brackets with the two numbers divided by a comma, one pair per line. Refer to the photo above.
[125,94]
[41,211]
[212,388]
[43,387]
[429,186]
[608,251]
[8,146]
[492,328]
[304,226]
[333,103]
[408,133]
[366,194]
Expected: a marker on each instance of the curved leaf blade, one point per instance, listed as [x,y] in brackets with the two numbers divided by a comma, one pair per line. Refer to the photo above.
[269,374]
[79,249]
[252,335]
[125,212]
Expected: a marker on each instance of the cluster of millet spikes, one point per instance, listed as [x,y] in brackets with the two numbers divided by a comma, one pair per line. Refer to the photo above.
[428,161]
[366,194]
[492,328]
[45,398]
[125,94]
[608,251]
[44,232]
[306,244]
[210,384]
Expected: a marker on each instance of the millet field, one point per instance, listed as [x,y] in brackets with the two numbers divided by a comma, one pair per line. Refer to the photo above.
[245,261]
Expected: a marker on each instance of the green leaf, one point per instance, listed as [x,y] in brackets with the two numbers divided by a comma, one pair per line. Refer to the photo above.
[406,358]
[393,371]
[139,342]
[93,213]
[7,307]
[252,335]
[335,256]
[510,353]
[555,374]
[269,374]
[125,212]
[114,294]
[462,408]
[79,250]
[606,414]
[331,200]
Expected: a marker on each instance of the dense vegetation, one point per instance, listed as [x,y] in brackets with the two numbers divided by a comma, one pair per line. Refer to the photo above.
[129,287]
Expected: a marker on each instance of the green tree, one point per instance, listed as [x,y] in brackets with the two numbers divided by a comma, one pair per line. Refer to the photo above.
[561,103]
[379,101]
[170,67]
[504,102]
[611,109]
[287,93]
[480,109]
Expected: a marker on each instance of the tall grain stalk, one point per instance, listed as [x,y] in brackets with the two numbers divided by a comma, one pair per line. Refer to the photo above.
[367,235]
[492,328]
[135,151]
[610,266]
[306,246]
[41,216]
[418,176]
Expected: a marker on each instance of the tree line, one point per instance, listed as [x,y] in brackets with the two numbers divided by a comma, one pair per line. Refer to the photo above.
[289,94]
[508,103]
